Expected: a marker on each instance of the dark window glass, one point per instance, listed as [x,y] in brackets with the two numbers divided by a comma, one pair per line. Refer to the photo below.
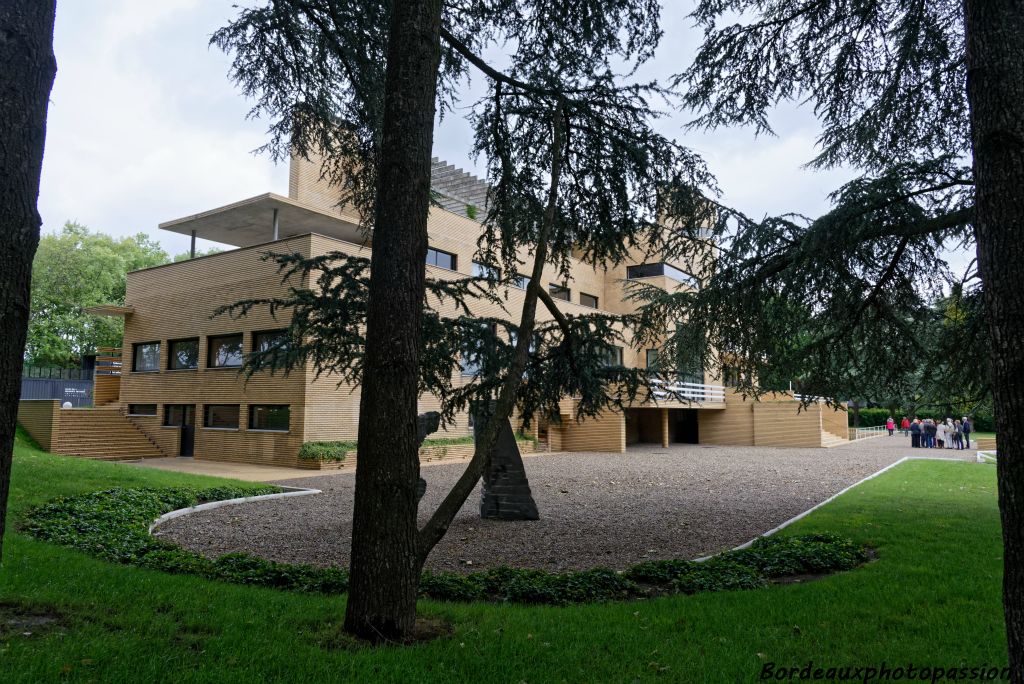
[436,257]
[142,409]
[271,339]
[559,292]
[220,416]
[651,270]
[521,281]
[652,359]
[485,271]
[183,354]
[225,350]
[174,414]
[588,300]
[614,357]
[146,357]
[266,417]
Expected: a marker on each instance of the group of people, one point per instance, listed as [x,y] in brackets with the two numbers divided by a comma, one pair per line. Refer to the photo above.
[932,434]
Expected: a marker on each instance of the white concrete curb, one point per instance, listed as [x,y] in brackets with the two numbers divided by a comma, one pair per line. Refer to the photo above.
[833,498]
[293,491]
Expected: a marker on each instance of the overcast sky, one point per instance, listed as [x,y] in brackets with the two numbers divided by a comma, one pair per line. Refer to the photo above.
[144,125]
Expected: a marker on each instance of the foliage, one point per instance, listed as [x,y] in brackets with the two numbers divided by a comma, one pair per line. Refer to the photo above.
[337,451]
[871,417]
[326,451]
[134,625]
[859,301]
[113,525]
[73,269]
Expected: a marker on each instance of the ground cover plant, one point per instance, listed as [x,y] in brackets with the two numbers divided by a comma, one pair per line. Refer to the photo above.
[933,596]
[113,525]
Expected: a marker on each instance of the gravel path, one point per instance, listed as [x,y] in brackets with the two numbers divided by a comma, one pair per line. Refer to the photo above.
[609,510]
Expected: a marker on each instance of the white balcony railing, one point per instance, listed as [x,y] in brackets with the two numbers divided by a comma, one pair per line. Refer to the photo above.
[689,392]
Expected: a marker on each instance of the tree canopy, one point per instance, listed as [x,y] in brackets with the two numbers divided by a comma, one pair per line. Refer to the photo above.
[73,269]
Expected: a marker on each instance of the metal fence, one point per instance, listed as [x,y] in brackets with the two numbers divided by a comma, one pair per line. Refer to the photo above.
[56,373]
[78,392]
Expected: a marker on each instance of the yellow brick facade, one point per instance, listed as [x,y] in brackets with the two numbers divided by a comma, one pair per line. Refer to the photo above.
[178,301]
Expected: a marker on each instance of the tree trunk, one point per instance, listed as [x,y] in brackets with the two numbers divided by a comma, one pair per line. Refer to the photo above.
[26,53]
[995,93]
[384,567]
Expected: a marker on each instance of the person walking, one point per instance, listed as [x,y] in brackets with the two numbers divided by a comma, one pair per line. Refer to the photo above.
[915,434]
[905,426]
[968,428]
[890,425]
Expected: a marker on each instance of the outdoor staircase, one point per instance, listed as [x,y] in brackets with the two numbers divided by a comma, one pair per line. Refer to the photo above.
[830,440]
[102,433]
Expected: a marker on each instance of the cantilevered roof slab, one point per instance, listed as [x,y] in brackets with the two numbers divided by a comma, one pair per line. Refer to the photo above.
[251,222]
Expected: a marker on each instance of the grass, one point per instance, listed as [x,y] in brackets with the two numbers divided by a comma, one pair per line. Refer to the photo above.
[931,598]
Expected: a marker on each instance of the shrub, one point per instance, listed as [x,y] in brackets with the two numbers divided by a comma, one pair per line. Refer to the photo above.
[325,451]
[114,525]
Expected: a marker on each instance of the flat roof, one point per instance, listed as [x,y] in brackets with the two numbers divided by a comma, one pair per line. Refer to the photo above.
[251,222]
[110,310]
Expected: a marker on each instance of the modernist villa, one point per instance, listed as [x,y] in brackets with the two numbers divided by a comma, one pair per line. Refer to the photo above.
[174,388]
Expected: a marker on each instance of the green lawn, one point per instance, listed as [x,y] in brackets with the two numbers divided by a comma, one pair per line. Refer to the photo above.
[931,598]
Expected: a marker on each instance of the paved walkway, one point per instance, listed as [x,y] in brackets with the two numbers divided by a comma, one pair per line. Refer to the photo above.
[236,471]
[596,509]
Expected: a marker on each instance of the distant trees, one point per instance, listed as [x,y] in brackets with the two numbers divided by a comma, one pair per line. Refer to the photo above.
[73,269]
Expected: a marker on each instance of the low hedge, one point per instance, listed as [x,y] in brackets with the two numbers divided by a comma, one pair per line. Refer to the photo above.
[337,451]
[114,525]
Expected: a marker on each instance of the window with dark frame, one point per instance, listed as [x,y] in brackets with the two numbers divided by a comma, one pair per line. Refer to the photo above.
[484,271]
[269,417]
[222,416]
[521,281]
[652,359]
[614,356]
[588,300]
[442,259]
[141,409]
[224,351]
[183,354]
[560,292]
[659,269]
[269,339]
[174,414]
[146,357]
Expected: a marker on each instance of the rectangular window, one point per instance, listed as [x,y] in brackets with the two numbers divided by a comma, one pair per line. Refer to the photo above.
[174,415]
[651,270]
[588,300]
[436,257]
[269,417]
[521,281]
[146,357]
[141,409]
[224,416]
[485,271]
[652,359]
[559,292]
[183,354]
[224,351]
[614,357]
[270,339]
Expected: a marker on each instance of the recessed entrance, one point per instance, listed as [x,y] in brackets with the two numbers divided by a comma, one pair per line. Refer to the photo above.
[183,416]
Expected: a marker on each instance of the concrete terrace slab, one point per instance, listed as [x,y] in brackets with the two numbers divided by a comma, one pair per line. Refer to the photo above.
[236,471]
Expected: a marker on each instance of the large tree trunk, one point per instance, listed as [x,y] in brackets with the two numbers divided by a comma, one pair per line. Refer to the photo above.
[26,53]
[384,566]
[995,92]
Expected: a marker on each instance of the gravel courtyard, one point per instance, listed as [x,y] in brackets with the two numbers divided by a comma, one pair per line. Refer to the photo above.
[609,510]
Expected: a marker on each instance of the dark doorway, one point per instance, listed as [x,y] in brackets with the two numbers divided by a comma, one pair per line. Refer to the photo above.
[683,423]
[183,416]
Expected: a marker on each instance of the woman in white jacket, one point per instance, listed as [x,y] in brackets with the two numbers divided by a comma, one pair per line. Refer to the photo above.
[940,434]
